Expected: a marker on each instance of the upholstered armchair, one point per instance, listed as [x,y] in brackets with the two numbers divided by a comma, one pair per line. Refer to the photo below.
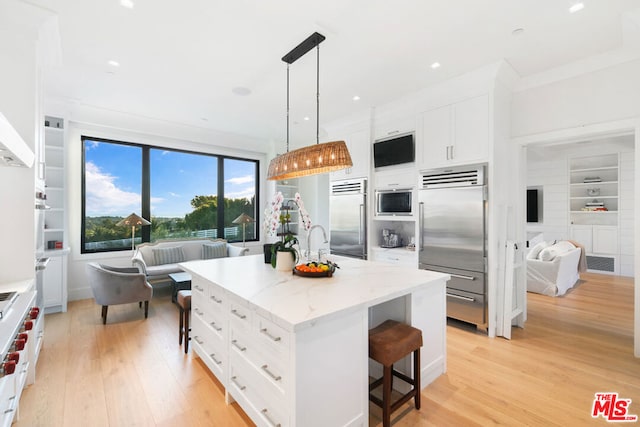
[118,285]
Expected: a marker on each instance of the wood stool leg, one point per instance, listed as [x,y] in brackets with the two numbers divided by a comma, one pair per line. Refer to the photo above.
[105,308]
[386,396]
[180,331]
[186,330]
[146,309]
[416,376]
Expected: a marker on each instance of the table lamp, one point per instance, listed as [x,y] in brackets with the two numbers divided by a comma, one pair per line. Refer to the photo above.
[243,219]
[133,220]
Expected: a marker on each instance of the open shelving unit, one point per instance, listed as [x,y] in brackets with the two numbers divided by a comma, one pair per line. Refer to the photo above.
[594,191]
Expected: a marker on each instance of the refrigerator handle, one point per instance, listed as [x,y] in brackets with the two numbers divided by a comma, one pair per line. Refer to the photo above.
[360,226]
[420,224]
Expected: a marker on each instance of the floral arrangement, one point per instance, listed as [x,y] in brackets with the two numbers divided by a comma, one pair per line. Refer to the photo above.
[305,219]
[274,217]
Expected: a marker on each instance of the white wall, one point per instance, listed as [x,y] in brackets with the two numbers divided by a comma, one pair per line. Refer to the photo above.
[19,94]
[600,102]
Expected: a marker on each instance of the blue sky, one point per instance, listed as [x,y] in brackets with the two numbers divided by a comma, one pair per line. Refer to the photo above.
[113,180]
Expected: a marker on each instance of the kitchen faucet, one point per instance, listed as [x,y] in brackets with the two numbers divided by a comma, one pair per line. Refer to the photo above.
[324,234]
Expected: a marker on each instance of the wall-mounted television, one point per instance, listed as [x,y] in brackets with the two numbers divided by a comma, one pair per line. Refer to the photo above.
[394,151]
[532,205]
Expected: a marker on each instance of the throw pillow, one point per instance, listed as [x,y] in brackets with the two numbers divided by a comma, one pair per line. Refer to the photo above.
[170,255]
[535,250]
[549,253]
[214,250]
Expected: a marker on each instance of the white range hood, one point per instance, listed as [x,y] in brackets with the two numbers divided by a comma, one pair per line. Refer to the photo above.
[13,150]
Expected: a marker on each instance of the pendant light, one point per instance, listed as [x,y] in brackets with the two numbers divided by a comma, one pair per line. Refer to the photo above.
[314,159]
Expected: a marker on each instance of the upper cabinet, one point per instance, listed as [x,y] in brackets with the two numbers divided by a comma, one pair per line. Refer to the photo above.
[455,134]
[359,149]
[392,126]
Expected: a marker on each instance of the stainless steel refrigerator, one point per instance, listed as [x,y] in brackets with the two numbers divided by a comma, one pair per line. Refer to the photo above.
[348,218]
[452,215]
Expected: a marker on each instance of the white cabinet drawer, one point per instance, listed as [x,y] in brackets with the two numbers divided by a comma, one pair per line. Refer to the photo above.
[269,365]
[240,314]
[211,349]
[199,289]
[271,335]
[247,386]
[398,256]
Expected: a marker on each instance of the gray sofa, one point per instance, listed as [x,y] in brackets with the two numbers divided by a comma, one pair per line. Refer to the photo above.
[159,259]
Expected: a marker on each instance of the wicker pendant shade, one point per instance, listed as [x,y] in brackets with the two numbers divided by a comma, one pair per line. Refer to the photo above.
[314,159]
[311,160]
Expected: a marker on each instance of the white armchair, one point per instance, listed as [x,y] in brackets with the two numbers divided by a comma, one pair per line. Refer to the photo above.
[116,285]
[553,270]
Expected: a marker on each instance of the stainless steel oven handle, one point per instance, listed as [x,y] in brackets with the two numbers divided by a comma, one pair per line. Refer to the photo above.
[461,297]
[420,224]
[458,276]
[360,226]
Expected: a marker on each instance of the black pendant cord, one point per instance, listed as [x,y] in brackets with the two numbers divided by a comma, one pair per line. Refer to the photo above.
[287,108]
[318,95]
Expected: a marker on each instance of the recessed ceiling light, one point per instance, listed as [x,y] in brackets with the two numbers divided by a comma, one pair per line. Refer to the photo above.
[114,63]
[356,98]
[517,32]
[306,118]
[435,65]
[242,91]
[127,3]
[576,7]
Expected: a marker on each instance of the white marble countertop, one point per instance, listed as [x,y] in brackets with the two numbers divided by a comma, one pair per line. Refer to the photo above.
[296,302]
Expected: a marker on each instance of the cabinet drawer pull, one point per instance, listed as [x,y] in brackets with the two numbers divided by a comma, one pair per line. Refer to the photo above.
[268,418]
[458,276]
[8,410]
[273,337]
[461,297]
[238,346]
[240,315]
[240,386]
[198,288]
[198,312]
[271,374]
[213,357]
[213,325]
[198,340]
[216,300]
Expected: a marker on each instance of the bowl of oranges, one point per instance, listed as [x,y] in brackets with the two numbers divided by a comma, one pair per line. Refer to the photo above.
[315,269]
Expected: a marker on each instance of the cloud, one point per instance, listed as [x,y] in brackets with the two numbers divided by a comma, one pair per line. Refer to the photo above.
[241,179]
[174,194]
[246,193]
[103,197]
[89,144]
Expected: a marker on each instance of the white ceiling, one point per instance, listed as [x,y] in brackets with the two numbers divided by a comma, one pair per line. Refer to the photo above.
[181,60]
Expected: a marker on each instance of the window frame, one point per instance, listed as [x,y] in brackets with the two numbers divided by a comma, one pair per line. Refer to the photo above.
[145,191]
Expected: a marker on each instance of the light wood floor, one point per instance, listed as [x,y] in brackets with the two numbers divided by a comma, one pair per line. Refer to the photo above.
[131,372]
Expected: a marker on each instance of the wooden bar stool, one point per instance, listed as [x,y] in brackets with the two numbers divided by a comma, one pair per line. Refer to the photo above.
[184,303]
[388,343]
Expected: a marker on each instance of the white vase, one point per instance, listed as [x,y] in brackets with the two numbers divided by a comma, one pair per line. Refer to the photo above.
[284,261]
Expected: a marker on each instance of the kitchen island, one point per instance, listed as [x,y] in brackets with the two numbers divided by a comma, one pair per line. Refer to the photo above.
[293,351]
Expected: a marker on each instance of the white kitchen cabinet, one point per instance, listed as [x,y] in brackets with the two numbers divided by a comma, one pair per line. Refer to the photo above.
[55,282]
[360,151]
[601,246]
[389,127]
[396,179]
[455,134]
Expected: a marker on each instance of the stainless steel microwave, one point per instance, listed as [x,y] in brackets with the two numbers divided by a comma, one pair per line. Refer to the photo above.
[394,202]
